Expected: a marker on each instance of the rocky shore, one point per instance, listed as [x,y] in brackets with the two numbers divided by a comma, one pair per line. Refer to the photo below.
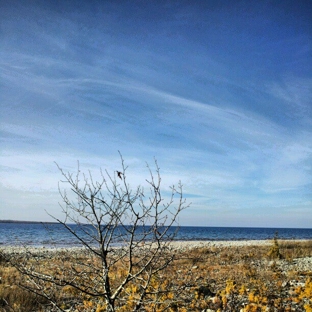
[299,264]
[176,244]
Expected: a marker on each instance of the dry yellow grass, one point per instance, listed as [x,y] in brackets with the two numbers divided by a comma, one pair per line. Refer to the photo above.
[240,278]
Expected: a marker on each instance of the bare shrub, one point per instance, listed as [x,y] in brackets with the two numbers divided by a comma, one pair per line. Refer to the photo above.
[125,234]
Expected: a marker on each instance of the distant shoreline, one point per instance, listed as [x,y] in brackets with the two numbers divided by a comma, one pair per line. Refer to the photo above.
[28,222]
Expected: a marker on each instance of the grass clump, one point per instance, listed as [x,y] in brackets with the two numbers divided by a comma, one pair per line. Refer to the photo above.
[274,252]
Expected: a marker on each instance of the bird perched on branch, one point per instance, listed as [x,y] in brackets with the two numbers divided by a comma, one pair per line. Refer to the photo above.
[119,174]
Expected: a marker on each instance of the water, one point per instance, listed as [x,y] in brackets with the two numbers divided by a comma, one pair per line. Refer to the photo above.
[55,235]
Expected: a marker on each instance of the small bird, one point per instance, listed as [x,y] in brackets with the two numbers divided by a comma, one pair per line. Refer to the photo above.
[119,174]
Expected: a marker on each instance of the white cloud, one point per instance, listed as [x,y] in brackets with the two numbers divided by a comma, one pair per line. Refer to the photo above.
[296,95]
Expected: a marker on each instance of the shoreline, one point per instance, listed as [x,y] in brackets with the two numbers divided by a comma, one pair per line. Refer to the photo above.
[182,245]
[175,245]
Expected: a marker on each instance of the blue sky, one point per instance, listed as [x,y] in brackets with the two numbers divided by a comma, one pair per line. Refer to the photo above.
[219,92]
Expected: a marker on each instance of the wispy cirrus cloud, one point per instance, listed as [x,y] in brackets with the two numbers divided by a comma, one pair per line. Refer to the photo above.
[219,95]
[296,95]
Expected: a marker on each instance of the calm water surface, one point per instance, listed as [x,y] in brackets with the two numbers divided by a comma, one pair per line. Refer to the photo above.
[55,235]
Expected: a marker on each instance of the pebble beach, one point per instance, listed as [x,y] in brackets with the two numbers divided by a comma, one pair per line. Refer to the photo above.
[302,264]
[177,244]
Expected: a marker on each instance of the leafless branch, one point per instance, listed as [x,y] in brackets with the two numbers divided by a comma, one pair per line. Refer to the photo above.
[125,236]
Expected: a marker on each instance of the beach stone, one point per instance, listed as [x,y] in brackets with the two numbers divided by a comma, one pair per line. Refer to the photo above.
[216,300]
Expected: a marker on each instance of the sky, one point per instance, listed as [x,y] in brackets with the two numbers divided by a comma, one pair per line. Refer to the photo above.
[218,92]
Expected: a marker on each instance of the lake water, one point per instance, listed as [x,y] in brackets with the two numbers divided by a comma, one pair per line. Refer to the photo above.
[55,235]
